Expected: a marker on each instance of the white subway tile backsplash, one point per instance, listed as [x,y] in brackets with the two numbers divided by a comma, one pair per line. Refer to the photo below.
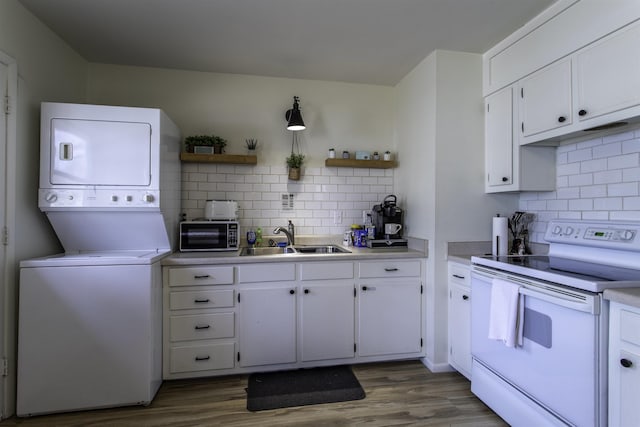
[597,179]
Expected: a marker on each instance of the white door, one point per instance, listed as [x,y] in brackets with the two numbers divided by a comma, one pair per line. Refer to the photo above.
[545,99]
[609,75]
[327,320]
[8,93]
[88,151]
[389,317]
[267,327]
[499,138]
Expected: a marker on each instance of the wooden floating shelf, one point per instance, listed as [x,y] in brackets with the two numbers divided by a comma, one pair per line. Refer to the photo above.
[237,159]
[353,163]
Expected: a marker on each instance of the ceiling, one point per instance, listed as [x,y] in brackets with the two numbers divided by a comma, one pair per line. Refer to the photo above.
[360,41]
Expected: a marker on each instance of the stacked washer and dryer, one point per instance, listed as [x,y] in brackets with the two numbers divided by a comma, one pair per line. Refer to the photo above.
[89,326]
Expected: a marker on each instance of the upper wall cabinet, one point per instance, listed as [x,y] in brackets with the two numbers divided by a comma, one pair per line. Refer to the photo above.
[565,27]
[509,166]
[608,75]
[594,87]
[545,100]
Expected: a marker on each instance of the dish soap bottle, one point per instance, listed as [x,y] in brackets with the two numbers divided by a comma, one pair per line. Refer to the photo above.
[258,236]
[292,231]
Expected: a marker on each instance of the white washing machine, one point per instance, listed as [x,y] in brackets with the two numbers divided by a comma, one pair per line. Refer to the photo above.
[89,331]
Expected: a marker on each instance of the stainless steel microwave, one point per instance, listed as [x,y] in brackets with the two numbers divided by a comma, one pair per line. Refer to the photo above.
[209,236]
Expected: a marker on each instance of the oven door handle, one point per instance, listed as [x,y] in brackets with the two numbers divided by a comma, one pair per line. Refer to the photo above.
[576,301]
[558,300]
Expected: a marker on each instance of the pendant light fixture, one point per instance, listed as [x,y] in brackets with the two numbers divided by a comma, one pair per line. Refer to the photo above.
[294,117]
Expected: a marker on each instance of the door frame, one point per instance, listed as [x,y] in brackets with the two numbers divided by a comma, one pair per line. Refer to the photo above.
[8,270]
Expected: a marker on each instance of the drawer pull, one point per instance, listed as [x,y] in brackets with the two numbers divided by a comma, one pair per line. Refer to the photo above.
[390,269]
[457,276]
[368,288]
[201,276]
[465,297]
[626,363]
[201,300]
[198,327]
[202,358]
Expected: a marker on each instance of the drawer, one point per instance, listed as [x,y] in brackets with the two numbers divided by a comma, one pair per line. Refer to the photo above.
[195,276]
[202,357]
[388,269]
[275,272]
[630,327]
[326,270]
[200,299]
[201,327]
[460,274]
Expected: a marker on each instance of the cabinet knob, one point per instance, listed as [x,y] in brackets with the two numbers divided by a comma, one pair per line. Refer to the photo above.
[364,288]
[562,119]
[292,291]
[626,363]
[505,179]
[306,291]
[582,113]
[465,297]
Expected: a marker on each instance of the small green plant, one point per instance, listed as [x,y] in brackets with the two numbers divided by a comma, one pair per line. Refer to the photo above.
[204,140]
[251,143]
[294,161]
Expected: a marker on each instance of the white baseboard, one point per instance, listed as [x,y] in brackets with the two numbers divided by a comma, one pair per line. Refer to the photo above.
[436,367]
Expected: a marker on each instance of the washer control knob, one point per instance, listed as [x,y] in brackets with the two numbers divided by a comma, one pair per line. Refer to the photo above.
[556,230]
[569,231]
[148,198]
[114,198]
[51,197]
[129,198]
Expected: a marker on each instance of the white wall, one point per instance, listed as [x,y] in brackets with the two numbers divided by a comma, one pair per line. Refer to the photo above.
[48,70]
[236,107]
[440,127]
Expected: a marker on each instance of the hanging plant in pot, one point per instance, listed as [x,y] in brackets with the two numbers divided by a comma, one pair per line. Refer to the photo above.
[294,162]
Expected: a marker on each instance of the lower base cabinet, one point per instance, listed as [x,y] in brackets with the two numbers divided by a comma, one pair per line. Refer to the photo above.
[460,318]
[624,365]
[282,315]
[267,329]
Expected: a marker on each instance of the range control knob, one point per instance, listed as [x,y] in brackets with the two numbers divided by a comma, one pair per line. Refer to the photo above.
[556,230]
[569,231]
[51,197]
[627,235]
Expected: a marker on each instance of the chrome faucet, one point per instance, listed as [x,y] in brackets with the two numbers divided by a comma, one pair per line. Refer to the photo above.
[290,236]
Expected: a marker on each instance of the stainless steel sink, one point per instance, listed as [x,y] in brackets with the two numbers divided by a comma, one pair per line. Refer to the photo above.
[324,249]
[266,251]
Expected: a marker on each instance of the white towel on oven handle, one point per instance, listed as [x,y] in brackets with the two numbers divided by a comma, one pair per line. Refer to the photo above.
[506,313]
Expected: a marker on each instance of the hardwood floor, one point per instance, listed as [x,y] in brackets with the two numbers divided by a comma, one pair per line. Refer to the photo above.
[398,394]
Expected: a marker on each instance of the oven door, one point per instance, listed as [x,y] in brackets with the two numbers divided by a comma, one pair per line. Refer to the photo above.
[557,367]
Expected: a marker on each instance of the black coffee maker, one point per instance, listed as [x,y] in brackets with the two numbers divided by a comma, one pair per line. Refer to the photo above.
[387,212]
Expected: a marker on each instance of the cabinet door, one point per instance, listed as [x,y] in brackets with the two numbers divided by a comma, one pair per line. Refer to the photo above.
[499,138]
[389,317]
[267,322]
[608,74]
[545,100]
[327,320]
[460,328]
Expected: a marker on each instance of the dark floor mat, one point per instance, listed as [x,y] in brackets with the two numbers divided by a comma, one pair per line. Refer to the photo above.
[300,387]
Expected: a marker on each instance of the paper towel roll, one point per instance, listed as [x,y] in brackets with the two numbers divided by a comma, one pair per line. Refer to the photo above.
[500,240]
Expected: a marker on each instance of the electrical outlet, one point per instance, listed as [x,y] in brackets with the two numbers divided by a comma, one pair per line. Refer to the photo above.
[337,217]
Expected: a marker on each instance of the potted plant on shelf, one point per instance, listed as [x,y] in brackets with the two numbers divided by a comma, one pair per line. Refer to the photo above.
[294,161]
[204,144]
[252,144]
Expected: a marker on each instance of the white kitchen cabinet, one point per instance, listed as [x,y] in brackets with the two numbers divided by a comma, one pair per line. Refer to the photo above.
[390,308]
[608,75]
[460,318]
[545,100]
[509,166]
[199,321]
[327,311]
[624,365]
[267,324]
[327,328]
